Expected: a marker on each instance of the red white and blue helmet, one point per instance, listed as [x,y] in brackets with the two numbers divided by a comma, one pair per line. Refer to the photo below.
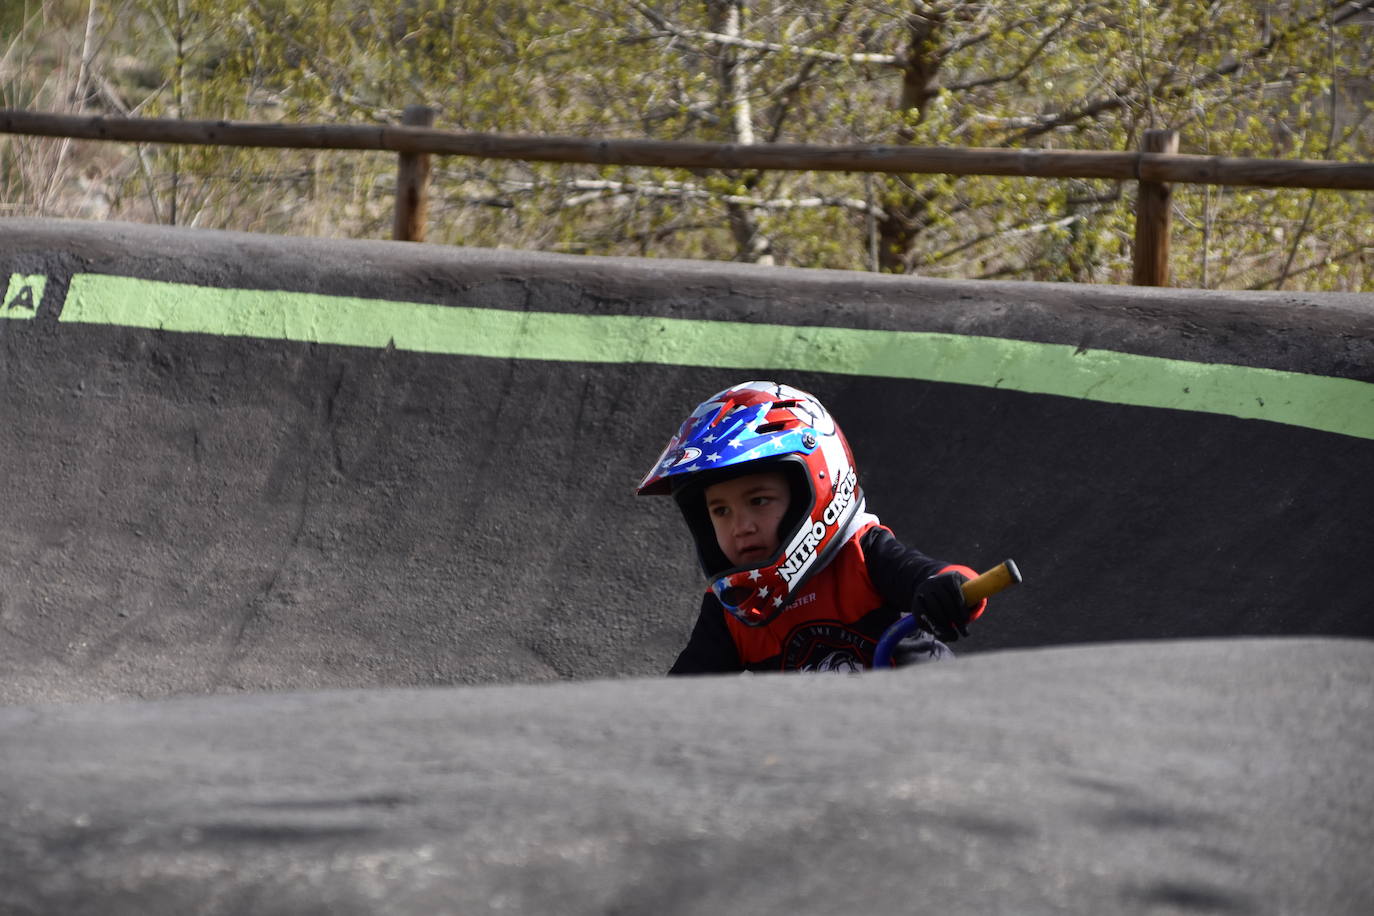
[751,428]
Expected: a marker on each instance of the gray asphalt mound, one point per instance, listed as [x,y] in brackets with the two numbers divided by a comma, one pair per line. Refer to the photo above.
[291,623]
[1226,776]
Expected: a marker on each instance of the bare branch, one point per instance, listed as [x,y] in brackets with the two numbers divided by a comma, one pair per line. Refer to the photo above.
[705,37]
[594,189]
[1026,227]
[1114,102]
[1045,39]
[965,42]
[1330,141]
[787,94]
[1276,282]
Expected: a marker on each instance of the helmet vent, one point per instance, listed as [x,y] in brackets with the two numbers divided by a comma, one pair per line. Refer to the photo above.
[773,427]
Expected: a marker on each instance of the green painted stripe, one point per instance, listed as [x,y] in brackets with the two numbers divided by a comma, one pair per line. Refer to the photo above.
[1335,405]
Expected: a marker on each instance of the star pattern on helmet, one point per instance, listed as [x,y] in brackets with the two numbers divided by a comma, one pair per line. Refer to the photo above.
[729,440]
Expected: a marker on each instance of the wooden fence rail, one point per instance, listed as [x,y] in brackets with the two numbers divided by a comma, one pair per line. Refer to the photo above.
[1158,169]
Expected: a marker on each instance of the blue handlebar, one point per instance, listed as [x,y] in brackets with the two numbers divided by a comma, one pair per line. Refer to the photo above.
[882,656]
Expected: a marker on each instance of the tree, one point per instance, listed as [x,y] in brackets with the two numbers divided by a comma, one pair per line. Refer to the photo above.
[1072,74]
[1263,78]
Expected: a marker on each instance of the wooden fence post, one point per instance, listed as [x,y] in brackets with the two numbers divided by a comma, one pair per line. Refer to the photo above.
[1153,216]
[412,182]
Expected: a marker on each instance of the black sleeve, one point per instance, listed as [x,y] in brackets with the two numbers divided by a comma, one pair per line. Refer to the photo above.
[710,649]
[896,569]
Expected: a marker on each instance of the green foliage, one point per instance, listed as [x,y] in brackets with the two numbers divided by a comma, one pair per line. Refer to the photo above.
[1278,79]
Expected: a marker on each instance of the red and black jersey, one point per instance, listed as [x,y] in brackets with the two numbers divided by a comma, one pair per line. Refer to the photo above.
[832,624]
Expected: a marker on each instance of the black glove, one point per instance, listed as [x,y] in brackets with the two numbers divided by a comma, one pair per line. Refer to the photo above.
[939,601]
[918,649]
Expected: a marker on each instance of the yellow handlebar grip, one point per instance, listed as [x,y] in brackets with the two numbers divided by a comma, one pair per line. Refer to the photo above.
[1003,575]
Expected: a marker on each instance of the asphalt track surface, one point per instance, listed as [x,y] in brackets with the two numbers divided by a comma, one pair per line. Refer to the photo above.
[323,589]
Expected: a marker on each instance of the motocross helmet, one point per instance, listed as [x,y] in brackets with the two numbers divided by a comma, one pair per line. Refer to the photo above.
[750,428]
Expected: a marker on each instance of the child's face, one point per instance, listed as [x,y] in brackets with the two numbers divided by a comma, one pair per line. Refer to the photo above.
[746,512]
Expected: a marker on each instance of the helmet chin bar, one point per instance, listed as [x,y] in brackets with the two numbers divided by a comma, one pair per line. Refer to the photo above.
[754,597]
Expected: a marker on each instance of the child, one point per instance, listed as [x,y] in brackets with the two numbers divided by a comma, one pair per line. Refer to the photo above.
[802,577]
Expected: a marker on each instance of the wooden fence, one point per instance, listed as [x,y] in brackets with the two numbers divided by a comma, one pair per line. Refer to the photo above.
[1154,168]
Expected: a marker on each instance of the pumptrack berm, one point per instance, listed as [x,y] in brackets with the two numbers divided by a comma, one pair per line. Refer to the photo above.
[323,588]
